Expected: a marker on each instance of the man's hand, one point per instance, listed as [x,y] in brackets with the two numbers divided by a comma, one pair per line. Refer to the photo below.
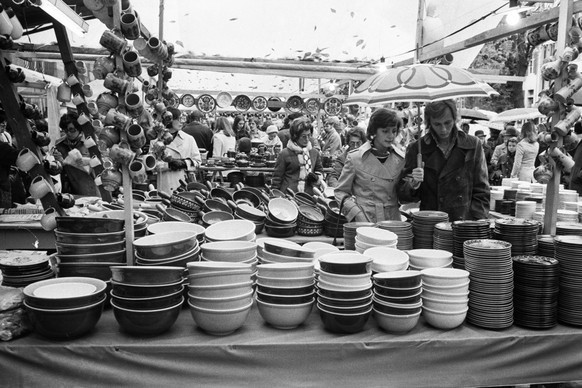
[177,164]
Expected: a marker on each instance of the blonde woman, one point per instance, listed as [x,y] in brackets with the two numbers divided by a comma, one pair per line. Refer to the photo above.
[224,139]
[526,153]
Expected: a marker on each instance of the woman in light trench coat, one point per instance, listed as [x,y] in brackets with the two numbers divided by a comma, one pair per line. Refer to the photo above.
[368,180]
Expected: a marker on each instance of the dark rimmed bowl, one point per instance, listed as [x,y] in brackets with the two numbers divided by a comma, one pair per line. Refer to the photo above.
[65,323]
[356,309]
[344,323]
[172,214]
[219,192]
[146,322]
[285,291]
[399,300]
[88,238]
[215,216]
[243,196]
[285,299]
[144,291]
[106,257]
[151,303]
[216,205]
[84,249]
[396,308]
[277,231]
[147,275]
[346,263]
[398,279]
[343,294]
[342,302]
[397,292]
[64,302]
[89,224]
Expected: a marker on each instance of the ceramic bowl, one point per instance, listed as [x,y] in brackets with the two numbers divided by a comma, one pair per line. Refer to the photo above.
[220,322]
[444,295]
[343,293]
[342,287]
[344,302]
[285,316]
[285,291]
[144,291]
[162,245]
[345,263]
[398,279]
[355,309]
[230,230]
[454,289]
[172,214]
[444,304]
[219,278]
[88,238]
[285,282]
[89,224]
[285,299]
[146,275]
[397,292]
[216,205]
[396,308]
[175,226]
[427,258]
[205,267]
[232,251]
[64,293]
[387,259]
[445,320]
[149,303]
[91,248]
[286,270]
[358,280]
[140,219]
[375,236]
[215,216]
[146,322]
[229,303]
[444,276]
[344,323]
[105,257]
[99,270]
[221,291]
[282,210]
[400,300]
[393,323]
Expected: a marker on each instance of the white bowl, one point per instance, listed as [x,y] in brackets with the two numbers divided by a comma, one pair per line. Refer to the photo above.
[359,280]
[454,289]
[430,293]
[283,210]
[284,250]
[283,316]
[429,257]
[285,282]
[317,245]
[231,230]
[396,323]
[282,258]
[162,245]
[342,287]
[445,320]
[286,270]
[175,226]
[234,251]
[375,236]
[444,304]
[414,267]
[261,242]
[232,302]
[220,322]
[221,291]
[199,267]
[387,259]
[219,278]
[444,276]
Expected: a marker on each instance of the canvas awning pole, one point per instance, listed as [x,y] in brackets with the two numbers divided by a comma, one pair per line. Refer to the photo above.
[418,48]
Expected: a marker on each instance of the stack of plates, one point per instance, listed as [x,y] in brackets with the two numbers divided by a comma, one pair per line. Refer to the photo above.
[491,283]
[568,228]
[243,230]
[569,254]
[350,234]
[571,206]
[443,236]
[522,234]
[510,194]
[230,251]
[494,196]
[467,230]
[369,237]
[567,196]
[538,199]
[402,229]
[423,223]
[525,209]
[535,296]
[505,206]
[567,215]
[546,245]
[21,268]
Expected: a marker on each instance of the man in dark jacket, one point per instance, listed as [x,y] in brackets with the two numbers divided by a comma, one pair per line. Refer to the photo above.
[200,132]
[453,173]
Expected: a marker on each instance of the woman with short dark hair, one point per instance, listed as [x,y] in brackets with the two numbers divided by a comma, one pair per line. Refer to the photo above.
[355,138]
[367,184]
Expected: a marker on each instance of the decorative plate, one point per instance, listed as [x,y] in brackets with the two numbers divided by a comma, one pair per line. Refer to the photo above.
[224,99]
[206,103]
[187,100]
[332,106]
[312,106]
[242,103]
[274,107]
[259,103]
[173,102]
[294,104]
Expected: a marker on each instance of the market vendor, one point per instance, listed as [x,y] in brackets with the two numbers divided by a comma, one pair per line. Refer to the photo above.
[182,155]
[368,182]
[298,166]
[453,174]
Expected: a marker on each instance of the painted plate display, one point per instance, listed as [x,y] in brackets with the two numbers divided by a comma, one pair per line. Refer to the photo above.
[242,103]
[224,99]
[206,103]
[294,104]
[173,102]
[276,106]
[187,100]
[259,103]
[312,106]
[332,106]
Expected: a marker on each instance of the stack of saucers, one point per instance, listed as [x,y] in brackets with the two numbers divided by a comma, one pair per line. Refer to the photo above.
[525,209]
[429,258]
[220,295]
[491,275]
[350,233]
[344,296]
[567,215]
[521,233]
[402,229]
[568,228]
[535,296]
[19,269]
[445,296]
[285,293]
[443,236]
[387,259]
[467,230]
[369,237]
[569,254]
[545,245]
[397,303]
[423,223]
[167,249]
[243,230]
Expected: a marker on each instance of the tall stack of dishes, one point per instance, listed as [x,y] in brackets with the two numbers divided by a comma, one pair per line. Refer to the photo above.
[443,237]
[397,300]
[423,223]
[19,269]
[403,230]
[521,233]
[467,230]
[350,234]
[569,255]
[445,294]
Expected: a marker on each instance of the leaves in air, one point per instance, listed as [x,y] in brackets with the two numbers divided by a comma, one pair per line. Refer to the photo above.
[314,28]
[332,10]
[233,19]
[352,14]
[359,42]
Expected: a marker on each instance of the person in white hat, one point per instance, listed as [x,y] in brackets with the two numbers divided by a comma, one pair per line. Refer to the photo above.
[272,140]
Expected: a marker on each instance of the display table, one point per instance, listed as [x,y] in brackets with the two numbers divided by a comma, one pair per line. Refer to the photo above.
[259,355]
[217,171]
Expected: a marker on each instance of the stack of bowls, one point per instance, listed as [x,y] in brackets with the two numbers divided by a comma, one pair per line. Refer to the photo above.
[167,249]
[177,226]
[285,293]
[283,251]
[146,300]
[251,213]
[140,220]
[387,259]
[344,296]
[282,218]
[220,295]
[397,300]
[65,308]
[429,258]
[350,233]
[230,252]
[87,246]
[310,221]
[445,296]
[369,237]
[231,230]
[333,221]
